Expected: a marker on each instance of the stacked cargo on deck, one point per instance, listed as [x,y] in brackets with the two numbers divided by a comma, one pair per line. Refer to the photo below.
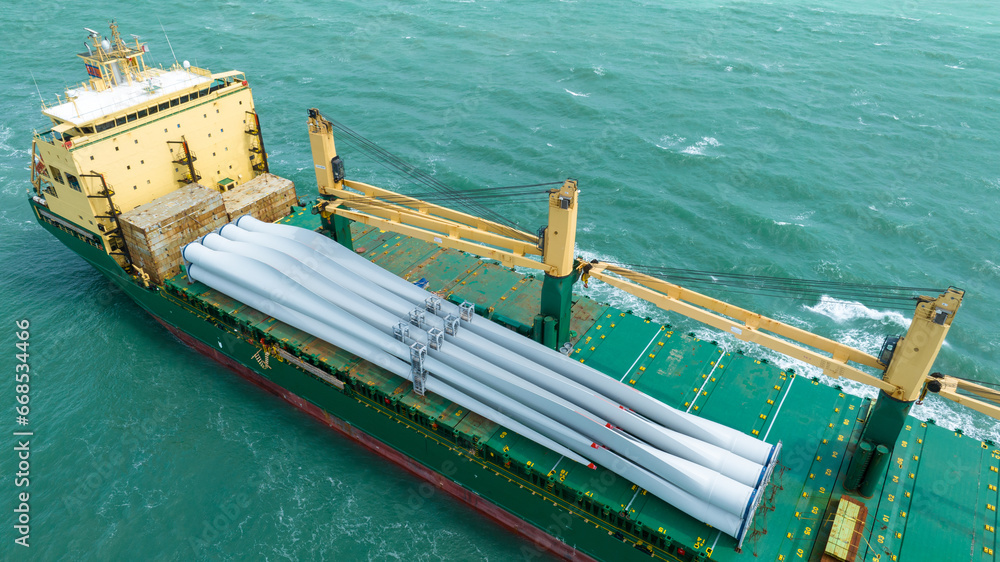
[267,198]
[155,232]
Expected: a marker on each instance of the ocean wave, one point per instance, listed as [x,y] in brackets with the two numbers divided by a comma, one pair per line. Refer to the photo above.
[698,148]
[842,311]
[667,142]
[6,134]
[951,416]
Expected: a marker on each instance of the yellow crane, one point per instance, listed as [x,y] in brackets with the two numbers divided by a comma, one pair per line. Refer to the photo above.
[905,368]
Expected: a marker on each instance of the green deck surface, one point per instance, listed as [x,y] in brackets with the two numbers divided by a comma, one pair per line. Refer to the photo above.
[938,501]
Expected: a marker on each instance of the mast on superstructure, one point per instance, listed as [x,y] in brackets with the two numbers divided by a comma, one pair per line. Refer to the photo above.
[113,62]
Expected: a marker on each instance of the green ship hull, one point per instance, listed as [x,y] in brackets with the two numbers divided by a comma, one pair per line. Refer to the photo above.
[937,501]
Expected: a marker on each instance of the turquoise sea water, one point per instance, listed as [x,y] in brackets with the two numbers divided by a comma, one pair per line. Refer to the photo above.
[847,143]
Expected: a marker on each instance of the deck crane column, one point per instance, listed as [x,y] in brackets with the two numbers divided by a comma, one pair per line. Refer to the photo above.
[909,364]
[329,174]
[558,242]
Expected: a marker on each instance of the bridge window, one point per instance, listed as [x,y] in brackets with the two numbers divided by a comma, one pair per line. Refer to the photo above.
[73,182]
[56,174]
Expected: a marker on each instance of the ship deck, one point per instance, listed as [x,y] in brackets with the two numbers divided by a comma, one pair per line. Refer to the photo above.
[937,502]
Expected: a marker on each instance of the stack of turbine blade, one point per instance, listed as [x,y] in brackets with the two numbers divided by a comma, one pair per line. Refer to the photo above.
[710,471]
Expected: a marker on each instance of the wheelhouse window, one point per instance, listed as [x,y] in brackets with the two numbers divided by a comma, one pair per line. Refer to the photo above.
[73,182]
[56,174]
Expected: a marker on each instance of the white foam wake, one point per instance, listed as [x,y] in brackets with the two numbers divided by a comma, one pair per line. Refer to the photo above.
[842,311]
[699,147]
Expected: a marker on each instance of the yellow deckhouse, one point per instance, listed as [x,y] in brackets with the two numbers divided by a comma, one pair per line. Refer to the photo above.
[134,133]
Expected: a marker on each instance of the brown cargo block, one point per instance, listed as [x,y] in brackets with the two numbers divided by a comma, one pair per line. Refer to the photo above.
[266,197]
[156,232]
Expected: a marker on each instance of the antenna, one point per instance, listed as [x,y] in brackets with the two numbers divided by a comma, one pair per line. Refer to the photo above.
[92,32]
[168,40]
[36,87]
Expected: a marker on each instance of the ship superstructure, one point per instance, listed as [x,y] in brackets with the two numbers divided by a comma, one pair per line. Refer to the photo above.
[133,133]
[117,179]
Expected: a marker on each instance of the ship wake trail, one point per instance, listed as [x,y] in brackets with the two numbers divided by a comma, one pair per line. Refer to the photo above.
[711,472]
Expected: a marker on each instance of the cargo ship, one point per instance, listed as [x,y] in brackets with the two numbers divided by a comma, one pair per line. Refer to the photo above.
[413,329]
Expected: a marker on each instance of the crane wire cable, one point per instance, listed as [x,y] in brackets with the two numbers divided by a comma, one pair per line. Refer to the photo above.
[484,194]
[385,158]
[396,164]
[885,296]
[457,199]
[749,280]
[661,269]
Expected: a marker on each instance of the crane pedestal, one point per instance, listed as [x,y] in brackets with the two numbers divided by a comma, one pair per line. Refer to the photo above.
[557,303]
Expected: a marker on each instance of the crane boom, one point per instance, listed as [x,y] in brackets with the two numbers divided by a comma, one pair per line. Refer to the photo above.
[745,325]
[901,377]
